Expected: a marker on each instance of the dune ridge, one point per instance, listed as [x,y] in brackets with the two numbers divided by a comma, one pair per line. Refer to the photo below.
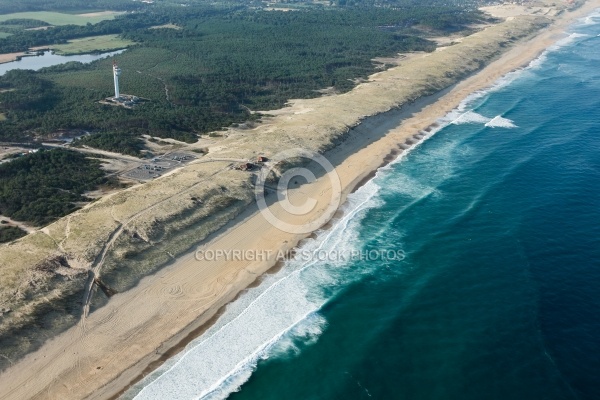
[134,232]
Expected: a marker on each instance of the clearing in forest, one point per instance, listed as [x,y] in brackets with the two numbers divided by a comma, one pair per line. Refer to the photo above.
[91,44]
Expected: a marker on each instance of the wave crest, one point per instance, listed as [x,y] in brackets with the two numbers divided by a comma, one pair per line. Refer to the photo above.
[471,117]
[500,122]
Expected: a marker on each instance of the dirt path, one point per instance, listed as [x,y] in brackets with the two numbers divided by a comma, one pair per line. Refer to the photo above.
[21,225]
[94,273]
[117,342]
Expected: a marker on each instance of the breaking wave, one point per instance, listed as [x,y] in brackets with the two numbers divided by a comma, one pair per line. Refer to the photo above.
[500,122]
[471,117]
[264,322]
[273,318]
[281,315]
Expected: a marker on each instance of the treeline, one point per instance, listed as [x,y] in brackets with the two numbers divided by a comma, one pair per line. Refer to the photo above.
[22,40]
[144,17]
[464,4]
[29,93]
[19,24]
[12,6]
[41,187]
[10,233]
[124,143]
[208,74]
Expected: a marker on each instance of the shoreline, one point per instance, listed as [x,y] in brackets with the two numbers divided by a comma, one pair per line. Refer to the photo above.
[355,162]
[179,342]
[370,173]
[10,57]
[554,29]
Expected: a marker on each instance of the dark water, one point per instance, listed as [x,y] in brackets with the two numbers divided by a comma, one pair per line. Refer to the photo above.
[498,293]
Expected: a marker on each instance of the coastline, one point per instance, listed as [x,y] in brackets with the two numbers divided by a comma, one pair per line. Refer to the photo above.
[356,159]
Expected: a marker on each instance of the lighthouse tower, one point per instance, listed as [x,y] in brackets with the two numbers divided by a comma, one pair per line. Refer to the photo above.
[116,74]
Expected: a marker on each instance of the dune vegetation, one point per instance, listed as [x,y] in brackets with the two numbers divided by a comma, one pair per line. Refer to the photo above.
[127,235]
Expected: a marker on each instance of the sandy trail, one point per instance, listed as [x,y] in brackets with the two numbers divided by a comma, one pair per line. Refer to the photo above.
[98,358]
[27,228]
[95,272]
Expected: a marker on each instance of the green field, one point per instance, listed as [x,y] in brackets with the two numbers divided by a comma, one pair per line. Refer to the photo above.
[91,44]
[55,18]
[4,35]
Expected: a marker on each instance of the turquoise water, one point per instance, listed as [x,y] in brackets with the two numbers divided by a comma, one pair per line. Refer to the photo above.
[492,289]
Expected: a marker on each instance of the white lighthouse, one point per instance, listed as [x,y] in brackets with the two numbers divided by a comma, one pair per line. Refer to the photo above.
[116,74]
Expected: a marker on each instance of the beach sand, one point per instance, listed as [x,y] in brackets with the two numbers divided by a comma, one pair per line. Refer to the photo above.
[117,343]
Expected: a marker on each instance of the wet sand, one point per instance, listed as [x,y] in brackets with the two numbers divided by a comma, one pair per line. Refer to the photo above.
[140,328]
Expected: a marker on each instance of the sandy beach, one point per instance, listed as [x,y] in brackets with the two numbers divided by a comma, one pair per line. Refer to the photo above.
[120,342]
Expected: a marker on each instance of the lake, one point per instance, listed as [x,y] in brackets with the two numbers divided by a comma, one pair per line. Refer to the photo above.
[48,59]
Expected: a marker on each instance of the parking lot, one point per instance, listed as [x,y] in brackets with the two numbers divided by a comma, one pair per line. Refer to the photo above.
[159,166]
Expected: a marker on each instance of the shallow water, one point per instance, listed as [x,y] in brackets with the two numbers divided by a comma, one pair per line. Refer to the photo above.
[493,290]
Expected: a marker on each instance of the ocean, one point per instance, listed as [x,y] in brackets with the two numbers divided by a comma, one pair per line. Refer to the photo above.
[474,267]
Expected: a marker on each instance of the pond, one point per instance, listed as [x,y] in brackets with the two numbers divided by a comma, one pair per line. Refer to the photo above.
[48,59]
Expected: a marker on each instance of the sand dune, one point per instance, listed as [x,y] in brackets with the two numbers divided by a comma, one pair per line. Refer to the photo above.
[132,233]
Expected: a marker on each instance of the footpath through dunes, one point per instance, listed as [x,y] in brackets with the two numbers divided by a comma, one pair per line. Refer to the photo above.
[144,227]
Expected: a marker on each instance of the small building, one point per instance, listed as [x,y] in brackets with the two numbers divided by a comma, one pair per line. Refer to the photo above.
[247,167]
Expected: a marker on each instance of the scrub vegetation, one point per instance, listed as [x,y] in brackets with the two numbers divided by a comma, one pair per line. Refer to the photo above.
[223,62]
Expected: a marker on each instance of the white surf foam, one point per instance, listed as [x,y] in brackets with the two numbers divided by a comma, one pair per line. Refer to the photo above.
[567,41]
[267,320]
[532,66]
[500,122]
[464,113]
[471,117]
[307,329]
[232,349]
[539,61]
[591,19]
[511,76]
[264,321]
[342,237]
[270,319]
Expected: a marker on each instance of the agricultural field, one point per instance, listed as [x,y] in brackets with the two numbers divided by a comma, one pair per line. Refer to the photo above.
[4,35]
[55,18]
[92,44]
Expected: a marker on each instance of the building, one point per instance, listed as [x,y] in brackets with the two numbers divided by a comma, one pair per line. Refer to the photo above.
[116,74]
